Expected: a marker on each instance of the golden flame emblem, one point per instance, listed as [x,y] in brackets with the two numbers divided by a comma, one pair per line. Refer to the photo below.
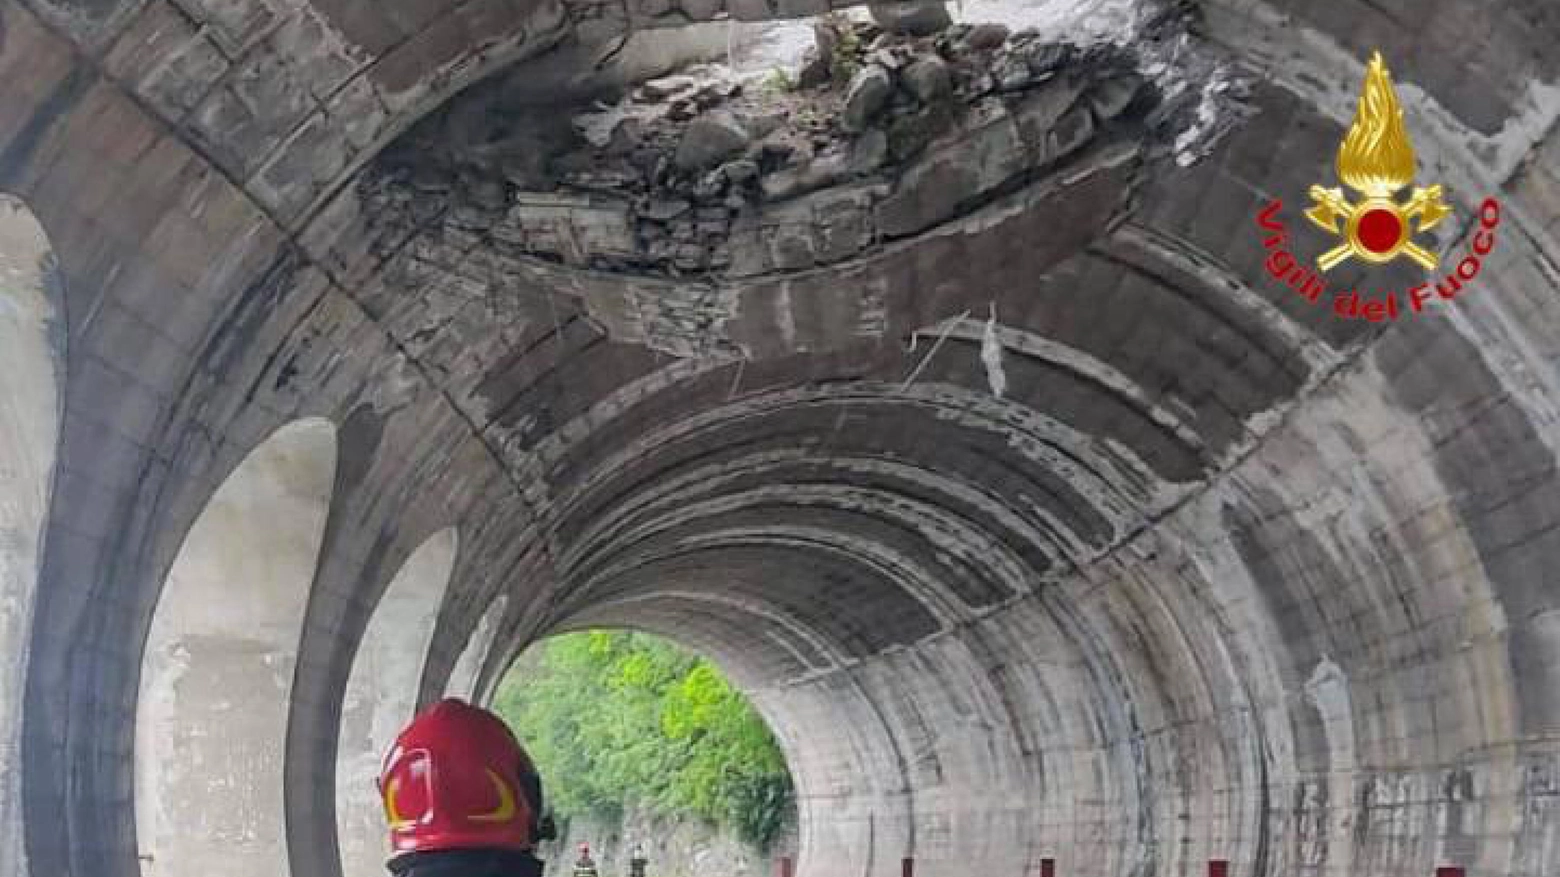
[1376,159]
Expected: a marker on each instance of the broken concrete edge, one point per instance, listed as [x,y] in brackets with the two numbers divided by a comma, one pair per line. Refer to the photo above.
[707,318]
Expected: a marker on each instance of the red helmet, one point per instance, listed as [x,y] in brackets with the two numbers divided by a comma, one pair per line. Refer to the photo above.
[456,778]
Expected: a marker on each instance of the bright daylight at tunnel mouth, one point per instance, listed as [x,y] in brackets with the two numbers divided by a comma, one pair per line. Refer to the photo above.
[723,438]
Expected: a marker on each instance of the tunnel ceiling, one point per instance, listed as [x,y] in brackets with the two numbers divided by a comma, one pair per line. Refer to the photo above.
[936,387]
[730,345]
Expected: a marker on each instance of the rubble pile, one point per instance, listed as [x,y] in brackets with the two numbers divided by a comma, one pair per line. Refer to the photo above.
[879,135]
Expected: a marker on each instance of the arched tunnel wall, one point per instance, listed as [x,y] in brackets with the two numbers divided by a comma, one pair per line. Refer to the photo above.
[1218,574]
[381,697]
[31,359]
[217,671]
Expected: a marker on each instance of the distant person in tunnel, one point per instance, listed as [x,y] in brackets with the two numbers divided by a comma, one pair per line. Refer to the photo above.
[585,866]
[462,797]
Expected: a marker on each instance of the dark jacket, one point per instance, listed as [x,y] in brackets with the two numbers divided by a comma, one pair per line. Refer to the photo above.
[467,863]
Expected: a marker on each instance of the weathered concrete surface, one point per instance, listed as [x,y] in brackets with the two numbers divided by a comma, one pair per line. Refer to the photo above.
[1216,573]
[465,676]
[29,432]
[217,673]
[381,697]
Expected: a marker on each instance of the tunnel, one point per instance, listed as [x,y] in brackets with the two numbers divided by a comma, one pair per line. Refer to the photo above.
[954,399]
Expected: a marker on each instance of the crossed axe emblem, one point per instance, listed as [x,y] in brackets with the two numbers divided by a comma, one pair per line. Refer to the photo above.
[1377,229]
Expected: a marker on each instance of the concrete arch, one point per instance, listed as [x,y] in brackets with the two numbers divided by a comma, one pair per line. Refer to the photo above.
[465,679]
[1277,582]
[381,696]
[217,670]
[31,358]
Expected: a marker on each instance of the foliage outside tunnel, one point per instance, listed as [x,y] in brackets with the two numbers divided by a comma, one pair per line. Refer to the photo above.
[615,719]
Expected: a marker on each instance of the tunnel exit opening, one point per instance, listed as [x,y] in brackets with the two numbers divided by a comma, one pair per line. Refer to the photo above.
[648,750]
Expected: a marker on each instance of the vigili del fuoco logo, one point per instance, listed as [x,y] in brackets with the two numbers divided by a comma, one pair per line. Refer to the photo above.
[1376,161]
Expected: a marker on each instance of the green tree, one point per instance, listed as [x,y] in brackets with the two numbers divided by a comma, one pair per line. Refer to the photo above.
[615,718]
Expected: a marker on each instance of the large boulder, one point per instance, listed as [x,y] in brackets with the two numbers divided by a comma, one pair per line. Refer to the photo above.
[868,153]
[985,37]
[709,140]
[928,79]
[799,180]
[868,93]
[914,17]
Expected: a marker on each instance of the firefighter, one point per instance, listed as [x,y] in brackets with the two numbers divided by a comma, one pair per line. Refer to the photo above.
[586,866]
[462,798]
